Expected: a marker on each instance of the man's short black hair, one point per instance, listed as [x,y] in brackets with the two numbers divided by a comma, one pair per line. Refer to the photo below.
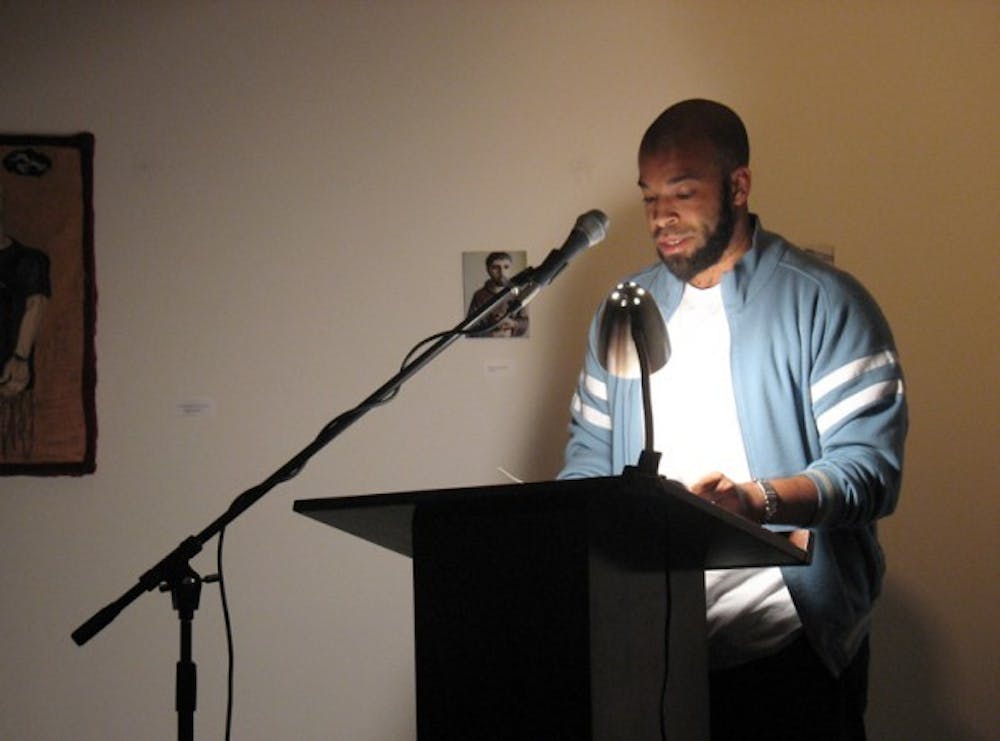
[696,122]
[497,256]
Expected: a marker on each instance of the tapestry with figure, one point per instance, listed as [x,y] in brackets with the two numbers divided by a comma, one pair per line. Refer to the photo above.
[48,421]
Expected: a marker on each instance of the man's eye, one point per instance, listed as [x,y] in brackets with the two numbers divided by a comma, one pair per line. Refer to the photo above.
[684,195]
[648,199]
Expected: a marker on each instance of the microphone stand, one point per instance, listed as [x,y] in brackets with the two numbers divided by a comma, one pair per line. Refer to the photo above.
[173,573]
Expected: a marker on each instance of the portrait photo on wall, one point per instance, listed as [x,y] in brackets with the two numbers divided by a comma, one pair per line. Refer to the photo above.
[486,274]
[48,422]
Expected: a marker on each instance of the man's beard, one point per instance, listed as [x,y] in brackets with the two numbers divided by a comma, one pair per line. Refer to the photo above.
[687,267]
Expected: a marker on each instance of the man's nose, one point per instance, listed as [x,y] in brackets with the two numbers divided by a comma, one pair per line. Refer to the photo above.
[664,214]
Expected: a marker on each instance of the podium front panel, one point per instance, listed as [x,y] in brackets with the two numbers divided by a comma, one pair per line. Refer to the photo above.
[559,610]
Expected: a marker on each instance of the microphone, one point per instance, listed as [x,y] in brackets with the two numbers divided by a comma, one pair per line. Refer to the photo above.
[590,228]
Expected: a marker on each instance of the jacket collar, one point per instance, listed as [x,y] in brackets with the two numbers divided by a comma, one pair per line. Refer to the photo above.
[754,269]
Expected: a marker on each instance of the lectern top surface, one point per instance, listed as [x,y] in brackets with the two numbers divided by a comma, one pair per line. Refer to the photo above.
[631,515]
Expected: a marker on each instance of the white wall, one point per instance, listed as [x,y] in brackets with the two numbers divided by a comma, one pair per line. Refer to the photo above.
[283,192]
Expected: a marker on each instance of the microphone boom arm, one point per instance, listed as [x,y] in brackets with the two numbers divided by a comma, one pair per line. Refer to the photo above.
[174,567]
[175,562]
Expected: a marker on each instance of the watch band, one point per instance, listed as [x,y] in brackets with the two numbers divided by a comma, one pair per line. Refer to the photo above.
[770,499]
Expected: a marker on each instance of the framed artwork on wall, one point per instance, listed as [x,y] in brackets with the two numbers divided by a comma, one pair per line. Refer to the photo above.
[484,274]
[48,297]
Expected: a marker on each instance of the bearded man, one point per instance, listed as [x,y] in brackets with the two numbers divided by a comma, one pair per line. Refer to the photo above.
[782,402]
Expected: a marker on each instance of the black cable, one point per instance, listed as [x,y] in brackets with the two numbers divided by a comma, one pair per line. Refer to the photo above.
[229,638]
[287,474]
[413,351]
[666,640]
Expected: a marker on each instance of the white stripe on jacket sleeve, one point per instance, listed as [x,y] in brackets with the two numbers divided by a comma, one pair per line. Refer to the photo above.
[869,395]
[591,415]
[850,371]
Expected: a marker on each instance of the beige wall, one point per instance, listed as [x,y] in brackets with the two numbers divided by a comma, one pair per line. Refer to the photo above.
[283,191]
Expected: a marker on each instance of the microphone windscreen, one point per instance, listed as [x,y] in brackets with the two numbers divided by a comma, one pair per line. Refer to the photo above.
[594,224]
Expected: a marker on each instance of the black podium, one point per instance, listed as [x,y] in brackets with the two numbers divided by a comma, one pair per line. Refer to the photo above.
[559,610]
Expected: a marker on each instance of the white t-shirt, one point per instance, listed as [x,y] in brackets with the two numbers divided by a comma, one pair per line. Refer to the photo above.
[695,426]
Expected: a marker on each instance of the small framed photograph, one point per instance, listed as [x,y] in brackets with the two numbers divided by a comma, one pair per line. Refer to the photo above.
[486,274]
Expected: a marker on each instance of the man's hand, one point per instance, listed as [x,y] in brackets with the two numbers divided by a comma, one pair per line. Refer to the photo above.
[798,499]
[740,499]
[15,377]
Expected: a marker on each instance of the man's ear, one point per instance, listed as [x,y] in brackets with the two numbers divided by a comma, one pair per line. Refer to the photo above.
[739,183]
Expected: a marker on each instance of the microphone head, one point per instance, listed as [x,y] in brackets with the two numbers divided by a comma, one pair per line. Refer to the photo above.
[594,224]
[630,315]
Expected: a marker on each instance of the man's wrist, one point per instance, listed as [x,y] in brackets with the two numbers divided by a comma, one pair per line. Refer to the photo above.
[771,500]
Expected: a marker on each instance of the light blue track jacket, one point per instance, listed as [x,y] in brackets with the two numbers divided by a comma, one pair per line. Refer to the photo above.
[819,391]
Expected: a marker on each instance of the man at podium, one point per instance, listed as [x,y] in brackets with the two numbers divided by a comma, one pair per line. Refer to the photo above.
[781,401]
